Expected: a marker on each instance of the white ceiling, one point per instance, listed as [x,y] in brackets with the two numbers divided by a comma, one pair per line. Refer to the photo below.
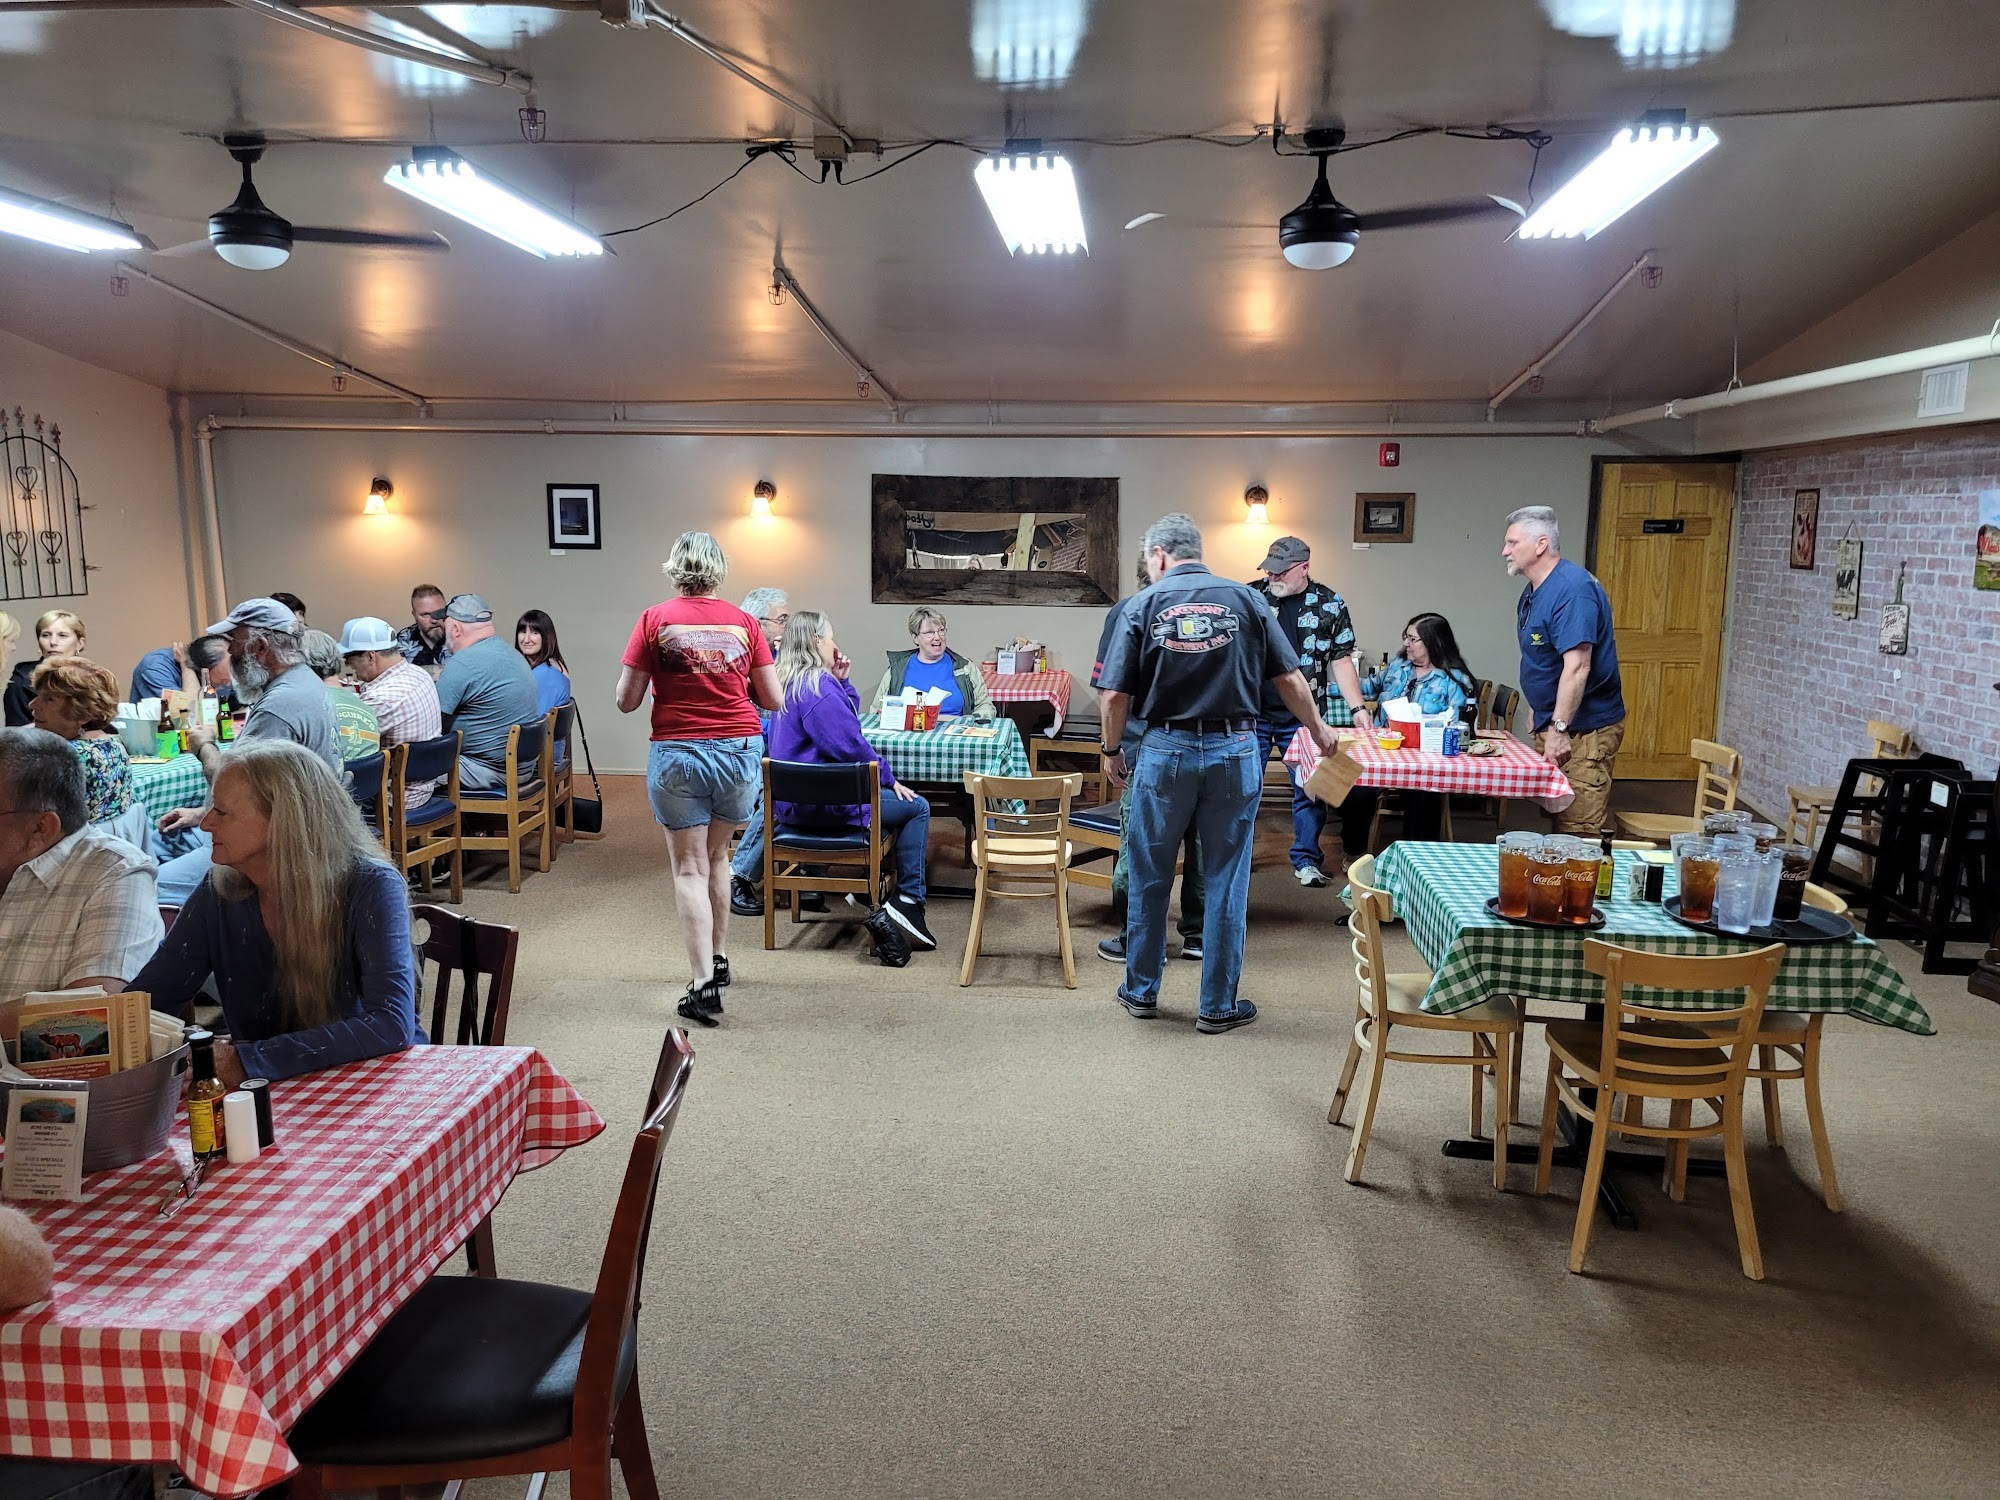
[1808,203]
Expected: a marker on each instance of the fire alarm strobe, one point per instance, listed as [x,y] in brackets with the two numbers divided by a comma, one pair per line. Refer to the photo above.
[1390,455]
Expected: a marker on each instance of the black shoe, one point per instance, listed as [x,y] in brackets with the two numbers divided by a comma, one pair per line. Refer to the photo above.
[1144,1010]
[744,897]
[1191,947]
[1112,949]
[909,915]
[701,1004]
[720,974]
[811,901]
[1243,1015]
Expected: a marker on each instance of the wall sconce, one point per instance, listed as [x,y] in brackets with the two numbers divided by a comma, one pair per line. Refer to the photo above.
[1256,501]
[377,503]
[761,498]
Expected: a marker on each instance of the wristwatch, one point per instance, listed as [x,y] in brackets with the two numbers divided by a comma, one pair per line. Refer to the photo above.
[1107,750]
[1560,726]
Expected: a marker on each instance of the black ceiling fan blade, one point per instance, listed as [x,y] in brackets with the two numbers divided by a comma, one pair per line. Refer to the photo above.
[1420,214]
[320,234]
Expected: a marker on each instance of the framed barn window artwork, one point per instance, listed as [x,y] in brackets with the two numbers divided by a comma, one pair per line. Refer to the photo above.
[573,518]
[1384,517]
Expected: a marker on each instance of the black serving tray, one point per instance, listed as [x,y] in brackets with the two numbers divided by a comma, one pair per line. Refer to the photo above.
[1812,926]
[1596,919]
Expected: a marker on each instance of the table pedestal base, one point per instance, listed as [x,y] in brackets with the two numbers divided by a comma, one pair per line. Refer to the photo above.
[1572,1153]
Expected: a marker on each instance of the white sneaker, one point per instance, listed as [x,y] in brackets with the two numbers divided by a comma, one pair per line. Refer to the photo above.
[1311,875]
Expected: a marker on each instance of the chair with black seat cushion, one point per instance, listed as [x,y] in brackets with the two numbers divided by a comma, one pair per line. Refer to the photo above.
[365,778]
[1093,833]
[455,946]
[790,848]
[476,1377]
[520,803]
[420,836]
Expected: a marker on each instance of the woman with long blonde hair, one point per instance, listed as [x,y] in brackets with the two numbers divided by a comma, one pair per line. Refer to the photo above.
[57,633]
[303,924]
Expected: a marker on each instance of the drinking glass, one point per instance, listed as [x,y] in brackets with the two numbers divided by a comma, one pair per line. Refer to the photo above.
[1764,833]
[1696,876]
[1546,867]
[1725,822]
[1736,891]
[1769,866]
[1796,861]
[1580,880]
[1515,850]
[1734,843]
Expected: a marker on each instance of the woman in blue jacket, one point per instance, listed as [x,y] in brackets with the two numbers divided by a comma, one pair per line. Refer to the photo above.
[1431,673]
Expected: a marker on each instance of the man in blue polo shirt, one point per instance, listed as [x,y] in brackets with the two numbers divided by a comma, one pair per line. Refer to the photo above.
[1569,665]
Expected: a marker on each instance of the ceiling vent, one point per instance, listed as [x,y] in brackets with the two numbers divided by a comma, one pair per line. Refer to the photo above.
[1943,391]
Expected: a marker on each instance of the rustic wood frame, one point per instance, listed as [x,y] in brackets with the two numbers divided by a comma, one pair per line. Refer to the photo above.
[1404,500]
[893,496]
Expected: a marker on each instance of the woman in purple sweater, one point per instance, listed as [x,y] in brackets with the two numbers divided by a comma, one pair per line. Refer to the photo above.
[820,723]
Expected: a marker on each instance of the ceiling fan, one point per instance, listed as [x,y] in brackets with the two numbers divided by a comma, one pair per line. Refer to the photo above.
[1322,232]
[249,235]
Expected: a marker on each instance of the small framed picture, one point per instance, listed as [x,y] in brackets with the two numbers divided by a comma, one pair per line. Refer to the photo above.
[573,518]
[1805,528]
[1384,517]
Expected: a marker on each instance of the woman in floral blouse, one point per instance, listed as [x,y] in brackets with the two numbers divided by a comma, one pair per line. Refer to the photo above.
[1431,673]
[78,699]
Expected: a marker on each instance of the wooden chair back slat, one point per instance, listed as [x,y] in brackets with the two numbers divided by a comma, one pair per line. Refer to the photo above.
[1370,908]
[1631,1024]
[465,953]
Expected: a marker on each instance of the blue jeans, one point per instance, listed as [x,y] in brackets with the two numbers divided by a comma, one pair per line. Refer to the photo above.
[694,782]
[184,864]
[1309,814]
[747,863]
[907,826]
[1208,782]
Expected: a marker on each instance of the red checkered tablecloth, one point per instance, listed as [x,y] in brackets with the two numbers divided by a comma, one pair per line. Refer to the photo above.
[199,1339]
[1517,771]
[1030,687]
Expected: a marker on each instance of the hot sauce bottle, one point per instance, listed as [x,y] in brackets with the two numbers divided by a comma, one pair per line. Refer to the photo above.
[205,1093]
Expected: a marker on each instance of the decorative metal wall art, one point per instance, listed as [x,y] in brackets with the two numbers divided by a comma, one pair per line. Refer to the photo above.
[41,530]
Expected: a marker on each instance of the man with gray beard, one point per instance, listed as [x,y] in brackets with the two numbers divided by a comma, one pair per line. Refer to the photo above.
[287,701]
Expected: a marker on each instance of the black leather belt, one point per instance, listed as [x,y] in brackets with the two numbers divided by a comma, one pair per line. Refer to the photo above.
[1209,726]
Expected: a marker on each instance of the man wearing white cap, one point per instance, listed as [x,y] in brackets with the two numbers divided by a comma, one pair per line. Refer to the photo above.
[287,702]
[403,696]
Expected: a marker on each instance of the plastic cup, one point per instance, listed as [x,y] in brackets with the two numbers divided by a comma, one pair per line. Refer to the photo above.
[1698,868]
[1764,833]
[1770,865]
[1795,869]
[1546,867]
[1734,843]
[1515,850]
[1725,822]
[1736,892]
[1580,881]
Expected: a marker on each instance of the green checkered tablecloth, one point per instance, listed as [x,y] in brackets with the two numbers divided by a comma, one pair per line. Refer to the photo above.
[947,753]
[169,784]
[1441,890]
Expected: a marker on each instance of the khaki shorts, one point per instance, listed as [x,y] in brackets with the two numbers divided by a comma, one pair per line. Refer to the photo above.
[1589,770]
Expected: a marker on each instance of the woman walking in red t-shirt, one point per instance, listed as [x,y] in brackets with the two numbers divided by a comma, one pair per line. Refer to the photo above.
[704,659]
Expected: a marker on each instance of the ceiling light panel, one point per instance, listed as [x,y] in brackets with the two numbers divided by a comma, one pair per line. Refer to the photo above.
[1033,202]
[52,224]
[447,181]
[1638,162]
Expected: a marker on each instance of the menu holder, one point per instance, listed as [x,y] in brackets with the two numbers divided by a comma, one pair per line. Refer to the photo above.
[1811,926]
[1565,925]
[44,1129]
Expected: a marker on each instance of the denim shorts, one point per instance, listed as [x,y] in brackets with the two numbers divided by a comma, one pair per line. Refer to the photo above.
[693,782]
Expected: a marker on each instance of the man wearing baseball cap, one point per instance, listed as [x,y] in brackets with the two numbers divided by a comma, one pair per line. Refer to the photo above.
[485,689]
[403,696]
[1315,620]
[287,702]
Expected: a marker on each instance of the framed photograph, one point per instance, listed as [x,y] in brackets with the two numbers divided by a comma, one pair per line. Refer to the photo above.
[1805,528]
[1847,579]
[1384,517]
[1895,630]
[573,517]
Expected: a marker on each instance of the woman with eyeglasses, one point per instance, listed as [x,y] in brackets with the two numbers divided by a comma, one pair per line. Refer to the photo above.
[932,664]
[1429,671]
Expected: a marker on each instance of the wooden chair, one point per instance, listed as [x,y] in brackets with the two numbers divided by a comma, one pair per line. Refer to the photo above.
[1639,1052]
[1792,1037]
[1390,804]
[1498,712]
[789,848]
[1094,833]
[1044,751]
[1021,846]
[475,1377]
[419,837]
[1485,687]
[1721,768]
[1389,1002]
[521,803]
[455,945]
[1809,805]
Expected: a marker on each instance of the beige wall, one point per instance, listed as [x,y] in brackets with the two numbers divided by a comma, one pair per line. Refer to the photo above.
[469,515]
[118,437]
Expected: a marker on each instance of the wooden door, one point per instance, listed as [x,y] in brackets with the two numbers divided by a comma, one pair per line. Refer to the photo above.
[1661,533]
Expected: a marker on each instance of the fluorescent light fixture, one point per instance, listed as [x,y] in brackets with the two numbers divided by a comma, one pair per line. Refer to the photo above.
[52,224]
[1639,161]
[1032,197]
[446,180]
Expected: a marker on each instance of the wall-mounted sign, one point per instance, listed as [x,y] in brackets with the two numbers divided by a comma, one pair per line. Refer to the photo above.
[1674,527]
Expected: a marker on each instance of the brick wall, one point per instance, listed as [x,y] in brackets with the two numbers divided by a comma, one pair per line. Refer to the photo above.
[1802,684]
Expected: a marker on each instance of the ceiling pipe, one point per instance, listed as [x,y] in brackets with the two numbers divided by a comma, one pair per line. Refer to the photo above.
[651,14]
[870,382]
[299,19]
[1986,346]
[1530,371]
[717,427]
[283,340]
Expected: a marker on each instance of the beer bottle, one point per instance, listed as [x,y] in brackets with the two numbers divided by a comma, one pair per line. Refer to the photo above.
[1604,866]
[204,1097]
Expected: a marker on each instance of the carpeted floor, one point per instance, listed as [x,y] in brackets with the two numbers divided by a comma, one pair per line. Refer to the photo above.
[921,1240]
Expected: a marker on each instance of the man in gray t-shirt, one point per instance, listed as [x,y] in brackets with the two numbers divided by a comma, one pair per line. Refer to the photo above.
[485,689]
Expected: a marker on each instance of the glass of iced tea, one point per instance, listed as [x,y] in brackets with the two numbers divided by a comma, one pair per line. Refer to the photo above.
[1515,850]
[1792,878]
[1580,881]
[1546,868]
[1698,867]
